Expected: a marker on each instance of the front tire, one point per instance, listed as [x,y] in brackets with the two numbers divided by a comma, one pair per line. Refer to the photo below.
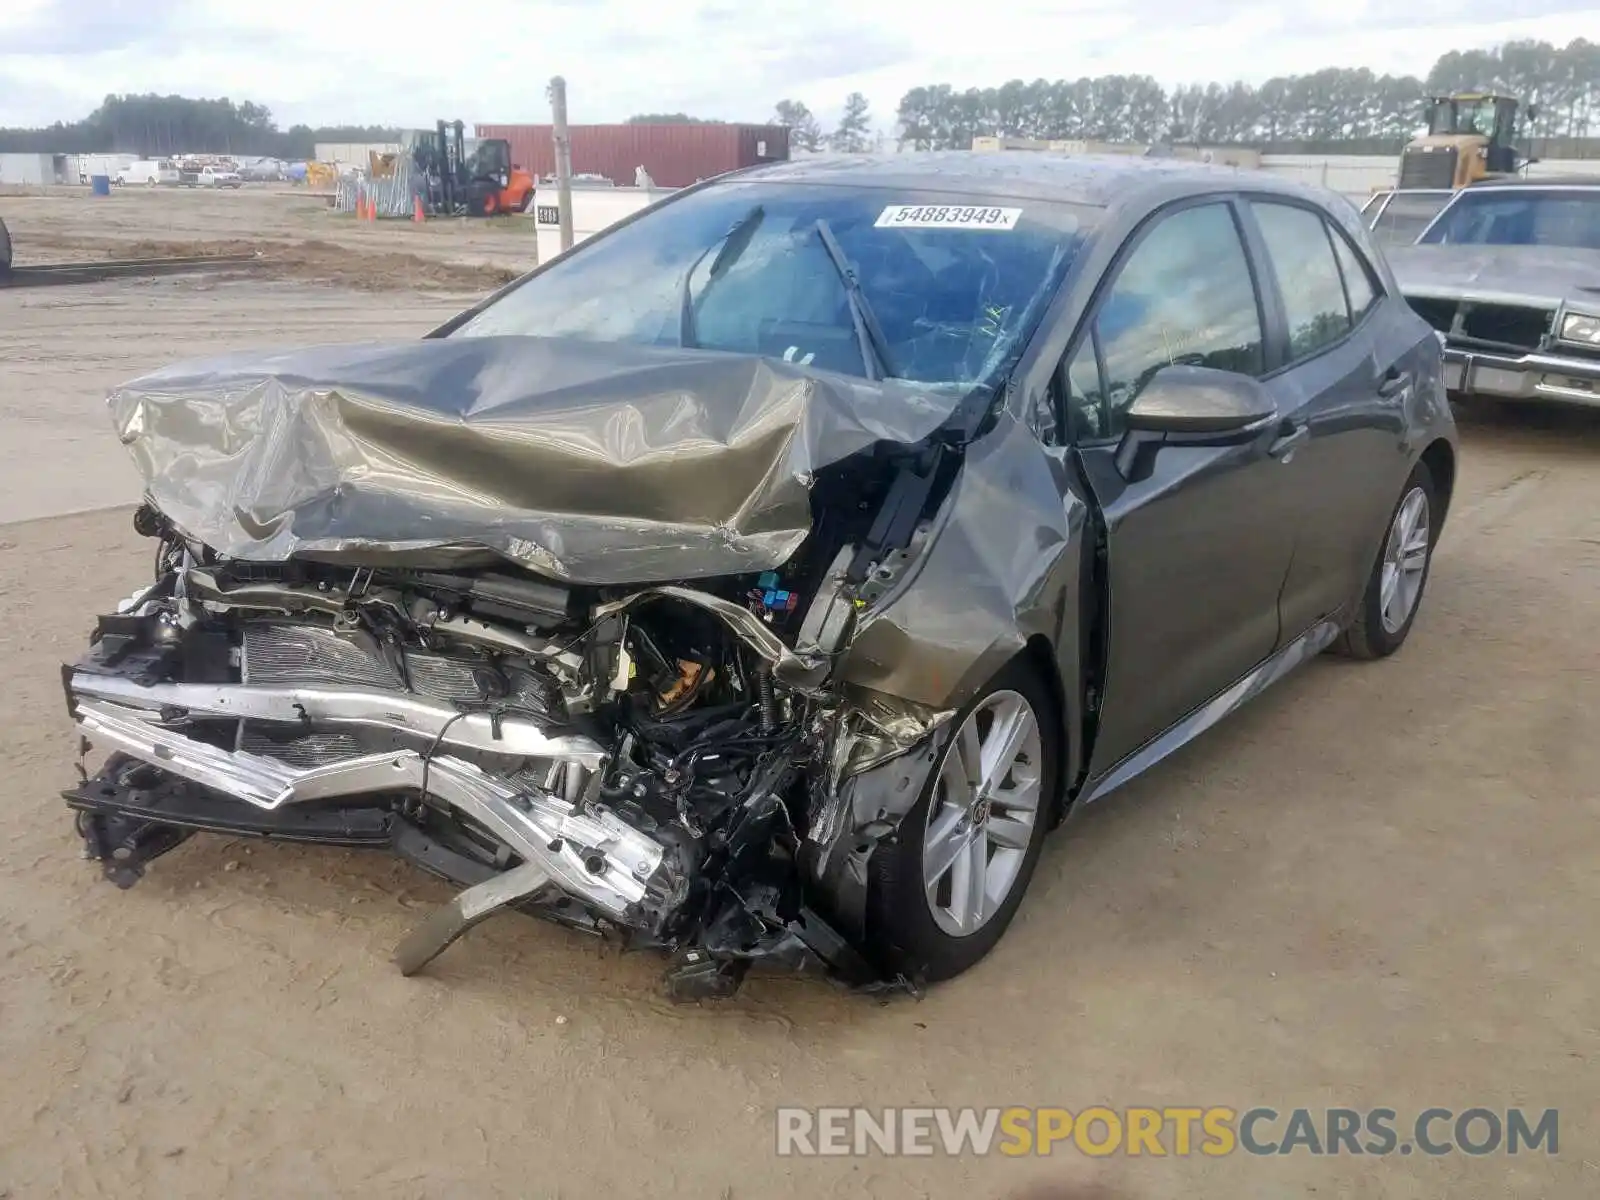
[1393,595]
[943,890]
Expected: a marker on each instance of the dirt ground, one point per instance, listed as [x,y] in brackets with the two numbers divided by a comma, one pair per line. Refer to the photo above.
[1375,886]
[297,234]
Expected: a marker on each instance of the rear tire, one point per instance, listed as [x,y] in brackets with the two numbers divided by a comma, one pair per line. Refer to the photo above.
[1393,596]
[915,911]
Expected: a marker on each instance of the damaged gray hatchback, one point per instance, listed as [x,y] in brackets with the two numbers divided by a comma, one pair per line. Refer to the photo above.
[761,581]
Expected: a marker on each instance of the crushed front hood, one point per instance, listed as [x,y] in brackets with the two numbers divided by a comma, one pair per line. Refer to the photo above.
[1541,276]
[593,463]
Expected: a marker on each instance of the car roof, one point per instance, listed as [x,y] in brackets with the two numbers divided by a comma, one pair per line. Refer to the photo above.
[1565,182]
[1027,174]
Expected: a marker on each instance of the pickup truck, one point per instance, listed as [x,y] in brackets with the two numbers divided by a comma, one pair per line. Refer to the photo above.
[212,177]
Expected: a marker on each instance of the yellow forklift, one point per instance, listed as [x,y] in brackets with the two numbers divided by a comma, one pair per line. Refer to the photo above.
[1470,136]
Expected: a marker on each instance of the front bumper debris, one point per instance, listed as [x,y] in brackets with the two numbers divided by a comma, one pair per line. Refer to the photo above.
[603,862]
[579,864]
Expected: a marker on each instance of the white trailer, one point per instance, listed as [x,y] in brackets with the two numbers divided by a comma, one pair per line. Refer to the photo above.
[109,165]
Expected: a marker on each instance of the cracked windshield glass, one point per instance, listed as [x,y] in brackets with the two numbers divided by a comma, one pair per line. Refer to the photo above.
[953,284]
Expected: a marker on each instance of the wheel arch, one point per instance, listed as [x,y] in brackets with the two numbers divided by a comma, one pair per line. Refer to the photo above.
[1041,657]
[1440,459]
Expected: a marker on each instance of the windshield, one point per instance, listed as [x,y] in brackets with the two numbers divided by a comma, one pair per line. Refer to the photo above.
[1406,216]
[954,288]
[1464,117]
[1520,217]
[486,156]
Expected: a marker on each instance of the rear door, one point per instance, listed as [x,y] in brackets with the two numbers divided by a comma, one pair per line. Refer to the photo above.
[1196,552]
[1341,388]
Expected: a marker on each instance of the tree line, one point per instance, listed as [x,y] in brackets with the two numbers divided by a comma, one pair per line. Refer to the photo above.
[1339,108]
[1332,108]
[153,126]
[853,134]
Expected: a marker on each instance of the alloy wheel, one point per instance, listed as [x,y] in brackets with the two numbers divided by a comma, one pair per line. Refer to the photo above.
[982,813]
[1405,561]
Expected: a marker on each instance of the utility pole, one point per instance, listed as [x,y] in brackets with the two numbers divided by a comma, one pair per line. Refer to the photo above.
[558,118]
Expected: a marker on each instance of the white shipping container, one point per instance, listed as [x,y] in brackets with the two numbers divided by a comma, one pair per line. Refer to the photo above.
[593,210]
[32,170]
[352,154]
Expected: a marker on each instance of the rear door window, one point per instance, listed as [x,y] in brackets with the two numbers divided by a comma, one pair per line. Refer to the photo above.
[1307,274]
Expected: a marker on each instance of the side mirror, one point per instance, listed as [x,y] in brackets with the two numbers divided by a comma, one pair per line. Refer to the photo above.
[1193,406]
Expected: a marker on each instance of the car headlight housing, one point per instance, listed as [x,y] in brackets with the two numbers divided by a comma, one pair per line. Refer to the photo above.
[1580,327]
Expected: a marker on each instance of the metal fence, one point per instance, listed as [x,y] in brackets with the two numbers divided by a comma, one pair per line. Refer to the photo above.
[394,195]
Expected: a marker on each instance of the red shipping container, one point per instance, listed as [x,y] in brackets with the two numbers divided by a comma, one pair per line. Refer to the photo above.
[674,155]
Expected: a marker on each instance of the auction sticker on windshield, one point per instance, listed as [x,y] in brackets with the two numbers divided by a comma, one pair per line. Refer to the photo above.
[946,216]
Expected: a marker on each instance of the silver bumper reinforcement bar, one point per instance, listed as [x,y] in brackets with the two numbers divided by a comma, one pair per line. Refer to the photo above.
[590,855]
[1523,377]
[399,712]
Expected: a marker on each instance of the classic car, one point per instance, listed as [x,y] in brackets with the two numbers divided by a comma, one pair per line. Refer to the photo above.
[762,580]
[1508,274]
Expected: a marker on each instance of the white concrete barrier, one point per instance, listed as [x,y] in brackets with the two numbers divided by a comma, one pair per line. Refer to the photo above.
[1363,174]
[593,209]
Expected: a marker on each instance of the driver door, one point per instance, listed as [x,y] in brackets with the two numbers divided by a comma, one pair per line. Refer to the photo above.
[1196,550]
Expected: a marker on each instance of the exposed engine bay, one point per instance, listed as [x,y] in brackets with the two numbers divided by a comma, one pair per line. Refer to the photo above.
[661,644]
[644,764]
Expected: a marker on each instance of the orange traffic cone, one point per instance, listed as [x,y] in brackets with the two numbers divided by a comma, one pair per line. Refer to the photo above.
[416,210]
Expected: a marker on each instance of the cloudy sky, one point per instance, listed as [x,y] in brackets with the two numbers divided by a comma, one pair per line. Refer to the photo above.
[409,62]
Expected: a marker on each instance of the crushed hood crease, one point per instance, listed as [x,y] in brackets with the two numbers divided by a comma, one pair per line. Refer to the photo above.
[592,463]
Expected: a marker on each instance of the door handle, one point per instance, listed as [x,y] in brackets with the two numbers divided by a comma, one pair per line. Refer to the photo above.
[1287,443]
[1395,381]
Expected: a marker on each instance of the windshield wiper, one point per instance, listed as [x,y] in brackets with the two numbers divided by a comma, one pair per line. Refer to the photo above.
[869,334]
[733,243]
